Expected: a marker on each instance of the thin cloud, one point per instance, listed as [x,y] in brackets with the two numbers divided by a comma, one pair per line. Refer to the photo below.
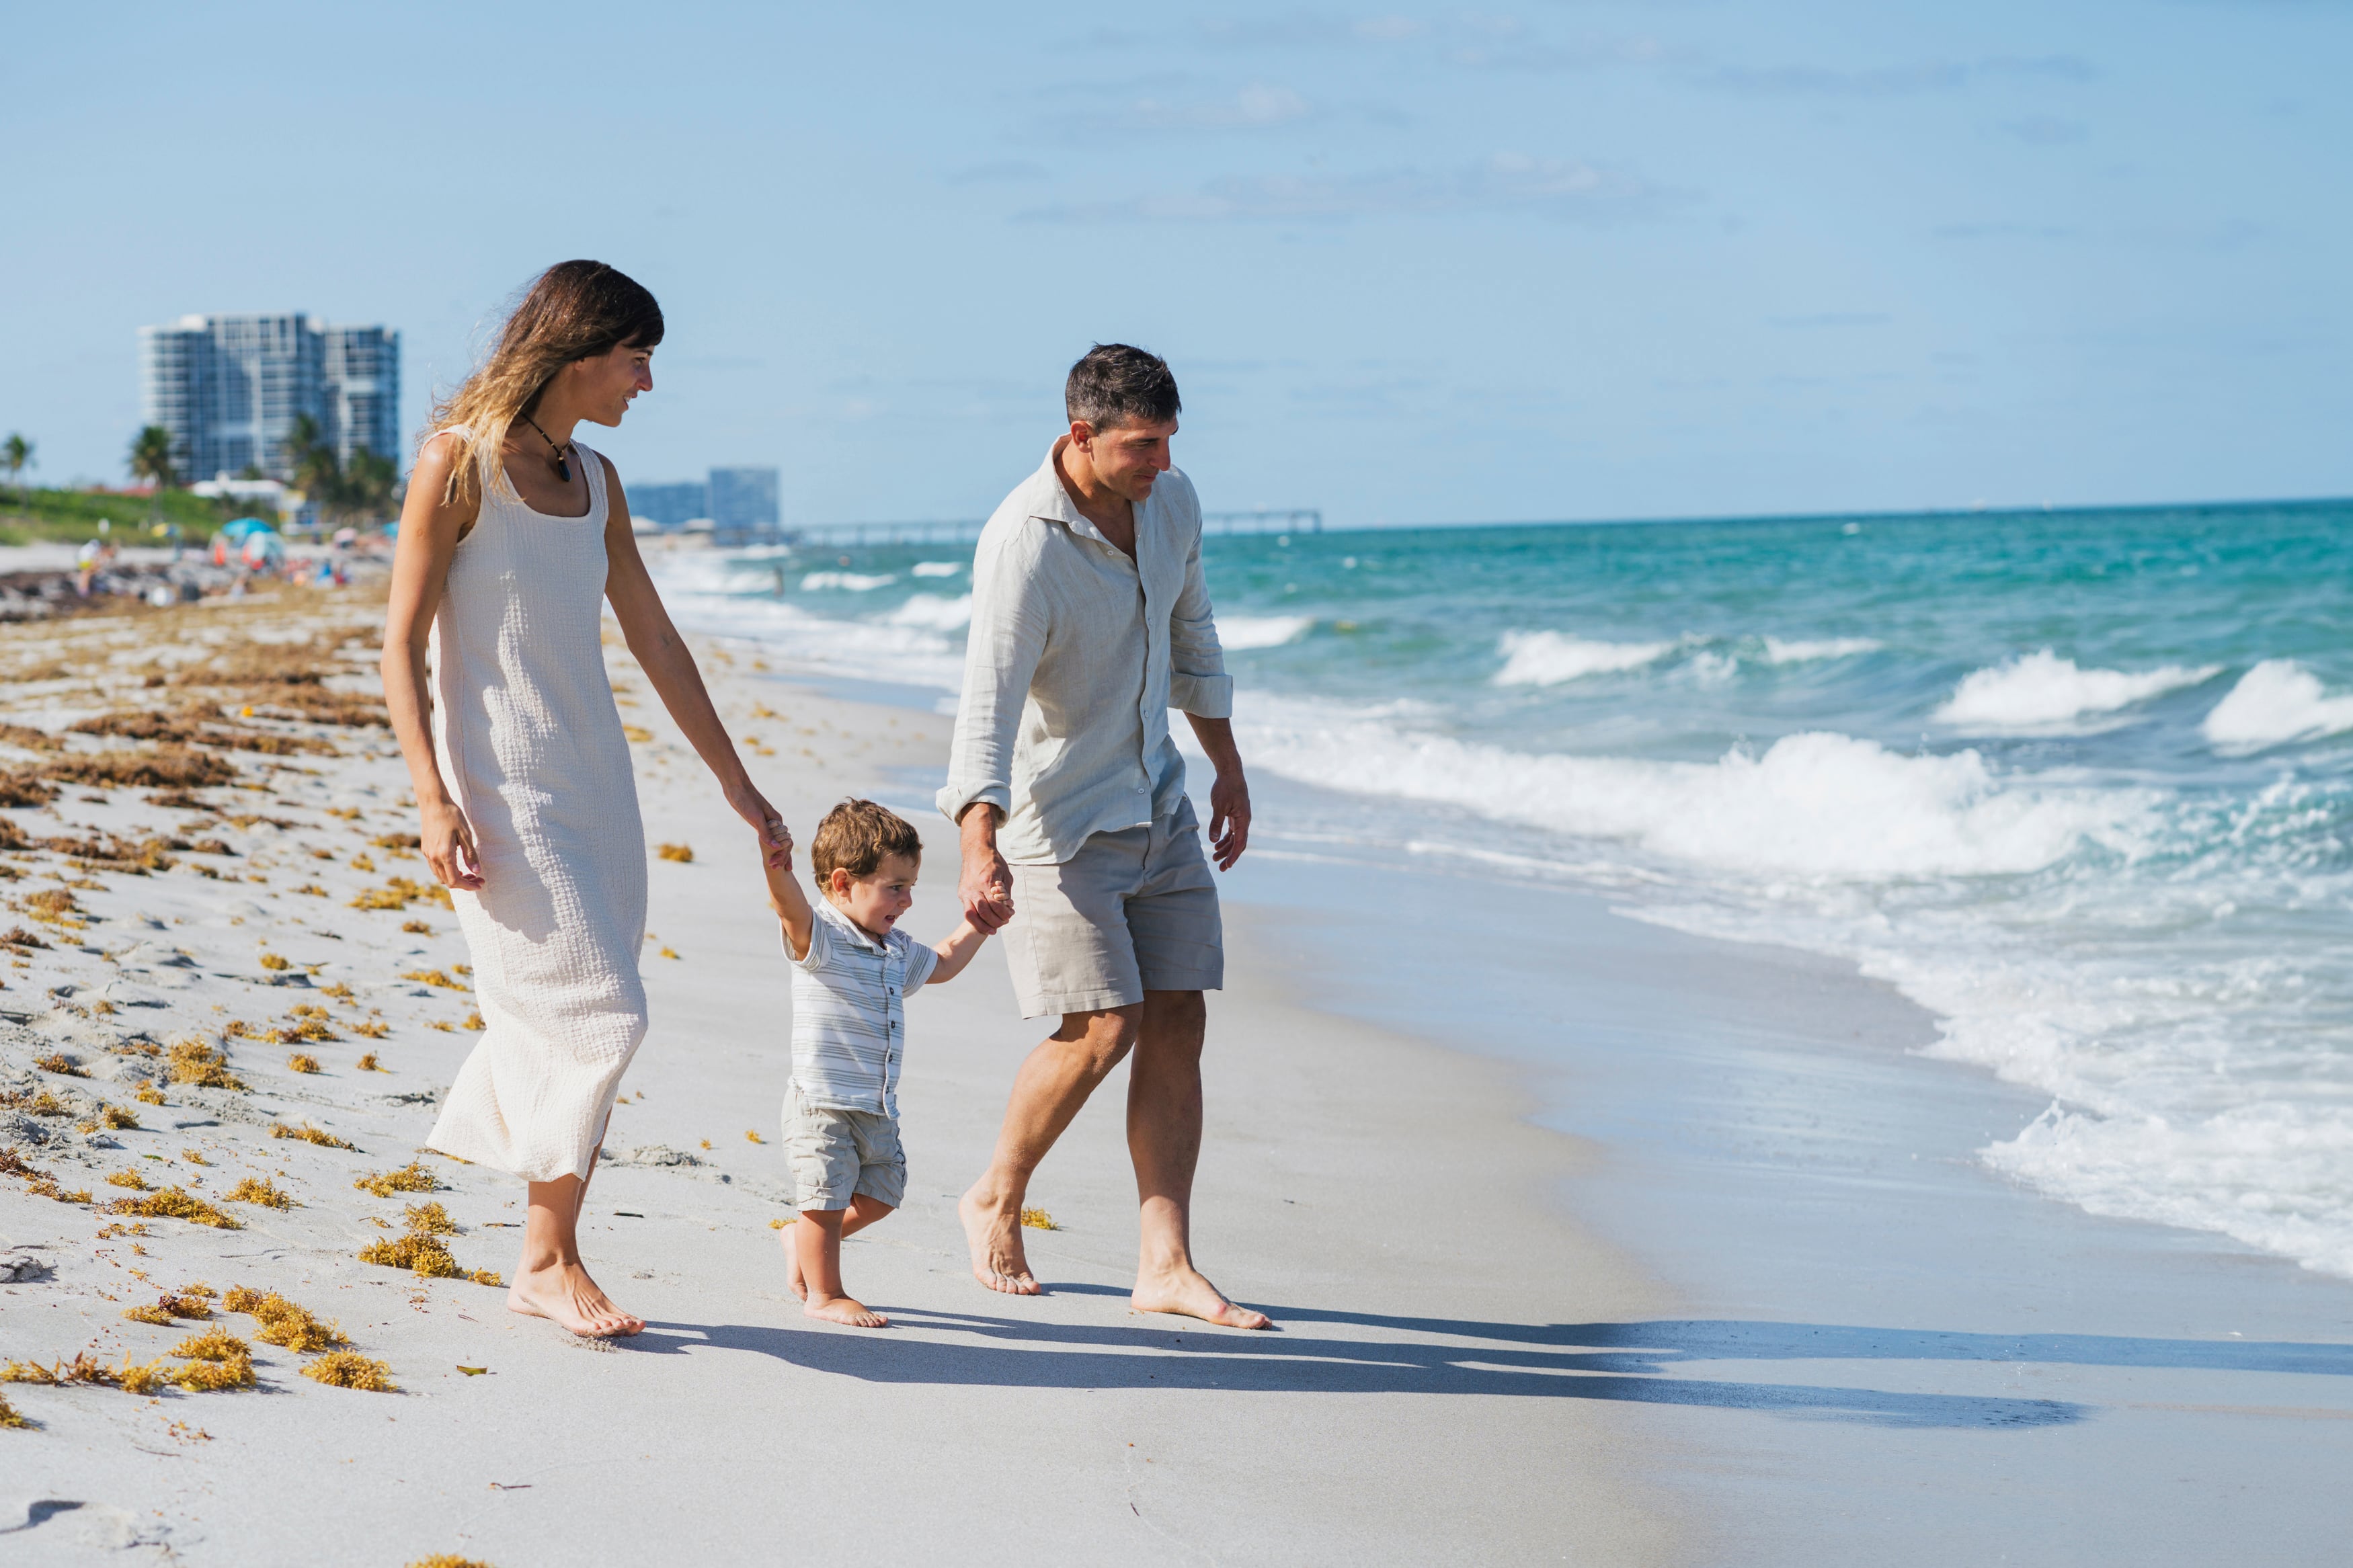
[2047,131]
[1553,187]
[1894,81]
[1256,107]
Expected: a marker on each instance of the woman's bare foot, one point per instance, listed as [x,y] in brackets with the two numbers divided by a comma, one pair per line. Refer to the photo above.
[793,1281]
[998,1260]
[564,1294]
[843,1310]
[1188,1294]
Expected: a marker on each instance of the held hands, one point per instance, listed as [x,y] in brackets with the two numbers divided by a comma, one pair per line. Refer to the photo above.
[775,839]
[449,846]
[985,887]
[1229,818]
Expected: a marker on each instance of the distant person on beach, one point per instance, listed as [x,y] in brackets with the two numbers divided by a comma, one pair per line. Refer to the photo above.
[1091,621]
[513,537]
[852,970]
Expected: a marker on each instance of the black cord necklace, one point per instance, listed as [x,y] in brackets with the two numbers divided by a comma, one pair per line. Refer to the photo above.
[563,466]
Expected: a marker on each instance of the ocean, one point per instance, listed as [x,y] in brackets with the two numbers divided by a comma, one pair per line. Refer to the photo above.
[2078,783]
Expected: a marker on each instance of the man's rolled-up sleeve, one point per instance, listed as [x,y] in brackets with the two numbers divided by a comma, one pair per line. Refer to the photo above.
[1006,638]
[1198,681]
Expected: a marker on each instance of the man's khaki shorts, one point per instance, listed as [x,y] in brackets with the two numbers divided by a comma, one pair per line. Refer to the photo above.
[1132,911]
[832,1155]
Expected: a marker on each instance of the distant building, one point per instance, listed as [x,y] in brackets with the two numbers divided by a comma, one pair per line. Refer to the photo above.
[229,388]
[743,501]
[670,505]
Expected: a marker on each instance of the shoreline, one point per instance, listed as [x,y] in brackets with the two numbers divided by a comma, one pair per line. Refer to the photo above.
[1402,1413]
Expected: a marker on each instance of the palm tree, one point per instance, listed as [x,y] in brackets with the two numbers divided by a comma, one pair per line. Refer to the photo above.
[150,459]
[368,484]
[312,466]
[16,455]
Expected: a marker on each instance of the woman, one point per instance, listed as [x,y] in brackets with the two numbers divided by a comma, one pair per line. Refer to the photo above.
[512,537]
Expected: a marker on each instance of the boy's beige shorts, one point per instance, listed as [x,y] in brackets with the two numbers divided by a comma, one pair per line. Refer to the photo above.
[832,1155]
[1132,911]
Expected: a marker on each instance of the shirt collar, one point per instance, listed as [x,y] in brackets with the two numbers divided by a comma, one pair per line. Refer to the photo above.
[848,927]
[1051,502]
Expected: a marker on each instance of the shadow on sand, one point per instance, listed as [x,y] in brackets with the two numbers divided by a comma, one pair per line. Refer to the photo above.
[1543,1361]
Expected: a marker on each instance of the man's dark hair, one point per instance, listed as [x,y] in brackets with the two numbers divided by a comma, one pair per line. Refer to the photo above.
[1114,385]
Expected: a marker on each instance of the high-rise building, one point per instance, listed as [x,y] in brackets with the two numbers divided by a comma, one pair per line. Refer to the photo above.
[744,499]
[229,388]
[670,505]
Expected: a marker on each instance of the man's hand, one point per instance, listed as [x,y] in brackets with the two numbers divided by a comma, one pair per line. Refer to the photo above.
[1229,818]
[985,887]
[1230,808]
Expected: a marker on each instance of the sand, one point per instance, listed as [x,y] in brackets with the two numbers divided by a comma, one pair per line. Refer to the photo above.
[1588,1241]
[1383,1197]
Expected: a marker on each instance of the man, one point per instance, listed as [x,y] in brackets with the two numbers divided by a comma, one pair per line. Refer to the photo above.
[1089,622]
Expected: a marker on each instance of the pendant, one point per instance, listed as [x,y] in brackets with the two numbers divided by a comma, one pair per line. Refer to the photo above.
[563,469]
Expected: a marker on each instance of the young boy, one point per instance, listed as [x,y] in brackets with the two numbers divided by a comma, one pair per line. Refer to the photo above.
[851,972]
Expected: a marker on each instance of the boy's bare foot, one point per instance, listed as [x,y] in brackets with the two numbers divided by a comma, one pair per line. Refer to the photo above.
[843,1310]
[564,1294]
[793,1281]
[997,1258]
[1187,1293]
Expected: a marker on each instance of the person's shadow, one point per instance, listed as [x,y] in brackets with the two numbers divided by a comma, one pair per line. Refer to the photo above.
[1540,1360]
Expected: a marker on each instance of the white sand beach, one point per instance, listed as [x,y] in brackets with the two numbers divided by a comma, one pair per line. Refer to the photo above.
[1574,1254]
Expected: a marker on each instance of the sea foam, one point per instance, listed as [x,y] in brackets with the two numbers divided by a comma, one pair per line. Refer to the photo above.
[848,582]
[2277,702]
[1239,632]
[1800,650]
[1549,658]
[2042,691]
[1817,804]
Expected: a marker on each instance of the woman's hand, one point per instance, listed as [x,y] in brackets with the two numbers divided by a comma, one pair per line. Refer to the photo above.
[775,839]
[449,846]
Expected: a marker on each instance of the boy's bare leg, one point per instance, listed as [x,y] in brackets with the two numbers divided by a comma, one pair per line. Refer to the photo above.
[818,1240]
[550,1281]
[864,1210]
[1163,1139]
[1048,1092]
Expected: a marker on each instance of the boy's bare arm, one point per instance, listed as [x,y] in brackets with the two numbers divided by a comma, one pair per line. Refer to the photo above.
[791,904]
[957,952]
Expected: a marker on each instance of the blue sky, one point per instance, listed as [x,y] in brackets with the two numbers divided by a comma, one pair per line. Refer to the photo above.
[1562,261]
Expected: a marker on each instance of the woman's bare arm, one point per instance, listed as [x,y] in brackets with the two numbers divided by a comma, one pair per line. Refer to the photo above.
[662,653]
[430,528]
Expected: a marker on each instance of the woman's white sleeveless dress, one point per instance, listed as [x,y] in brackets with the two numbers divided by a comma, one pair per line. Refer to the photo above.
[529,739]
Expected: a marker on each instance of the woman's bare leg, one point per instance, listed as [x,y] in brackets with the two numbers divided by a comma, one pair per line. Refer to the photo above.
[550,1282]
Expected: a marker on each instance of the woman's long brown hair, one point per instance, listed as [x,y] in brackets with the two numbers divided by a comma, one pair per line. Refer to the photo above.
[574,310]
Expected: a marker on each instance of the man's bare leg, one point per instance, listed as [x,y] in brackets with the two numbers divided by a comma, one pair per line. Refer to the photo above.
[1048,1092]
[863,1211]
[550,1282]
[1163,1139]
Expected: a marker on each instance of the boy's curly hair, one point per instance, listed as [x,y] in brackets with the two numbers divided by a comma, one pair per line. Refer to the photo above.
[858,836]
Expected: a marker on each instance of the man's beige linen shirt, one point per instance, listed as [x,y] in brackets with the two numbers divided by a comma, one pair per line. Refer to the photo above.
[1076,655]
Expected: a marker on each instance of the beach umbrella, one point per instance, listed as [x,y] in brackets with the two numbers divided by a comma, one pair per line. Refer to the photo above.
[242,526]
[264,547]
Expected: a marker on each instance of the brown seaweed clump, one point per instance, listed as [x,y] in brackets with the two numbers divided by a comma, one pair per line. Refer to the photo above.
[349,1369]
[429,1219]
[302,1061]
[58,1062]
[9,1416]
[159,1315]
[175,1203]
[131,1179]
[282,1322]
[412,1177]
[259,1190]
[165,767]
[121,1118]
[447,1559]
[368,1063]
[682,853]
[308,1134]
[1039,1219]
[193,1061]
[147,1093]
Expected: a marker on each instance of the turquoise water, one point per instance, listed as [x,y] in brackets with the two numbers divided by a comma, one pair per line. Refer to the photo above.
[2078,783]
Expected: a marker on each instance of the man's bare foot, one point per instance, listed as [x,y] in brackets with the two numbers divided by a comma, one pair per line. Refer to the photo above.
[997,1258]
[1185,1292]
[564,1294]
[792,1265]
[843,1310]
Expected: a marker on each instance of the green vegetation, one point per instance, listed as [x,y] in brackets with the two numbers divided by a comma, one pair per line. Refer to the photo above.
[360,491]
[73,516]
